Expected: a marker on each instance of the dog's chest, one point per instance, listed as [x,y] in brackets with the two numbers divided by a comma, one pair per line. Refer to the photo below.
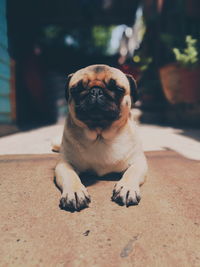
[103,156]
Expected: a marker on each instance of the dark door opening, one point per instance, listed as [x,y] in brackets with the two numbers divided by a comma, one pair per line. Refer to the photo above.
[50,39]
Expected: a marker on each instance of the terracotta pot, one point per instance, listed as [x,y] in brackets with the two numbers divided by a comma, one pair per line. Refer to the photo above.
[180,85]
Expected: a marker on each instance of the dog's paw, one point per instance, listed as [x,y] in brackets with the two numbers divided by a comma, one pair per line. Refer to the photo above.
[75,201]
[126,194]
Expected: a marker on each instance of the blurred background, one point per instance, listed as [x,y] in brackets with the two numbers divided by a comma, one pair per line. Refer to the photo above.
[41,42]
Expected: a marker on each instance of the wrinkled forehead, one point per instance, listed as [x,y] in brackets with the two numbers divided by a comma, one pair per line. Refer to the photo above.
[99,76]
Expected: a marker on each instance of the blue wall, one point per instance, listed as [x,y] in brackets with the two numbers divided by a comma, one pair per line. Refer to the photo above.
[5,103]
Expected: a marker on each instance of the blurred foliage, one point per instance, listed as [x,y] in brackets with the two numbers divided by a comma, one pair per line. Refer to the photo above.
[172,34]
[72,48]
[187,57]
[101,36]
[94,39]
[52,32]
[141,61]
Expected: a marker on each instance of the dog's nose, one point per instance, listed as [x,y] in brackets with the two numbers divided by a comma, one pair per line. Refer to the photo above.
[96,92]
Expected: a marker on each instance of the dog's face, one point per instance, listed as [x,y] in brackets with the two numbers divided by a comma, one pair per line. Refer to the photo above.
[99,95]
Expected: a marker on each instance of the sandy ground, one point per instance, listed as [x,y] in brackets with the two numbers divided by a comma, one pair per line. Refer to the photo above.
[154,138]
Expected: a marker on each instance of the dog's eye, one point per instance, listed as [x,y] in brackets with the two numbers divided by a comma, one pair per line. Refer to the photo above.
[120,89]
[78,88]
[115,88]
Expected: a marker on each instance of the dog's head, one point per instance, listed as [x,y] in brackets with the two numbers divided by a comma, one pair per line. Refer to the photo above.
[98,95]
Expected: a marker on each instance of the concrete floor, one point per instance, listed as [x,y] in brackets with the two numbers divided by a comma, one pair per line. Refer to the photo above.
[154,138]
[162,231]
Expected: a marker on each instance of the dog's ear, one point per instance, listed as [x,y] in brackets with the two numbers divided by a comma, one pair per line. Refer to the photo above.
[133,88]
[67,86]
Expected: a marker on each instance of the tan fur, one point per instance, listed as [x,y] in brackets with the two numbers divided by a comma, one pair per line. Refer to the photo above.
[116,149]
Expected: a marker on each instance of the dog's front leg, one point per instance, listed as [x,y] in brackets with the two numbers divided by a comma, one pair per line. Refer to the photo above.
[127,190]
[74,194]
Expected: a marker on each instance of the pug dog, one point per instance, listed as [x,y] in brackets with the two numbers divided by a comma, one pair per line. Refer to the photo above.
[100,136]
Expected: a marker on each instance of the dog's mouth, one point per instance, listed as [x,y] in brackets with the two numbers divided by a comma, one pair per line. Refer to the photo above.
[96,107]
[97,116]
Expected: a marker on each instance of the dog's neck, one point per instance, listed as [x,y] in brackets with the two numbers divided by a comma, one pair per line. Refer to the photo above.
[98,133]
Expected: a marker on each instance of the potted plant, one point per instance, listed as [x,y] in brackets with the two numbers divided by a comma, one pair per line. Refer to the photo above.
[181,79]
